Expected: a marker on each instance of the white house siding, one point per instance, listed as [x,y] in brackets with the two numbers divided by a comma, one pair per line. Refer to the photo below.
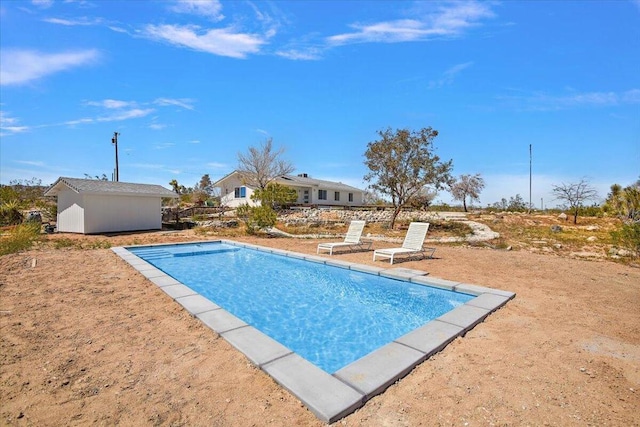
[301,184]
[70,212]
[227,194]
[113,213]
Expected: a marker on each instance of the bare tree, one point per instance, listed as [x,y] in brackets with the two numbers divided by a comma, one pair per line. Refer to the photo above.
[467,186]
[402,163]
[262,165]
[575,194]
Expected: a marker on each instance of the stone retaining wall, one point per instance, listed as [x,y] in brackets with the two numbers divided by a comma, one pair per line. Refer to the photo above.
[306,216]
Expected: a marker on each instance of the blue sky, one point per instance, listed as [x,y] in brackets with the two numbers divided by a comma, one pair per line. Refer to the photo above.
[189,84]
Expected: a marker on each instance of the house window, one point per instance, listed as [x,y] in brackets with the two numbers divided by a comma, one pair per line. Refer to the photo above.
[351,197]
[336,196]
[240,192]
[322,194]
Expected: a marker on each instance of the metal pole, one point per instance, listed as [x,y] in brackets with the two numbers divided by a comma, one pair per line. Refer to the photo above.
[114,141]
[530,161]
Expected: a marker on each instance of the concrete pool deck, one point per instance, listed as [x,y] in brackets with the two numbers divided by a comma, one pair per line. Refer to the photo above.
[332,396]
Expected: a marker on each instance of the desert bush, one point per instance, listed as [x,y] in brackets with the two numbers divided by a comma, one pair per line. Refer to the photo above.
[10,212]
[628,237]
[20,238]
[257,217]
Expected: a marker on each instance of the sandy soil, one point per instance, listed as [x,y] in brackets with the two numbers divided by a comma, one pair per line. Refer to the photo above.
[84,339]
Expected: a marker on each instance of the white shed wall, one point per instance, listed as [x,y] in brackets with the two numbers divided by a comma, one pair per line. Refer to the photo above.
[70,212]
[106,213]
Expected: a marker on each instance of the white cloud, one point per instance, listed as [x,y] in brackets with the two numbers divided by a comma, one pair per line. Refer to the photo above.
[309,54]
[42,3]
[157,126]
[184,102]
[449,76]
[30,162]
[215,165]
[9,125]
[23,66]
[82,21]
[447,21]
[547,102]
[222,41]
[134,113]
[164,145]
[111,103]
[208,8]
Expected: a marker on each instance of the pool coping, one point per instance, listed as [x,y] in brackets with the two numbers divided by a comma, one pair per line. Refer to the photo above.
[331,396]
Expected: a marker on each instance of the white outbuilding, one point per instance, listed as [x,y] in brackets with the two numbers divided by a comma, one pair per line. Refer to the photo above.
[91,206]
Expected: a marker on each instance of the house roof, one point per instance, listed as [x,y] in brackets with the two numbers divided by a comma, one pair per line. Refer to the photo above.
[97,186]
[300,181]
[312,182]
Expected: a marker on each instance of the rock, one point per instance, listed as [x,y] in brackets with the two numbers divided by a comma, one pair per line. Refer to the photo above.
[623,252]
[509,248]
[592,239]
[557,245]
[563,216]
[556,228]
[592,228]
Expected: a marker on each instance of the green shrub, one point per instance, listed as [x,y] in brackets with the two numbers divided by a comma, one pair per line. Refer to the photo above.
[10,212]
[628,237]
[257,217]
[20,238]
[63,243]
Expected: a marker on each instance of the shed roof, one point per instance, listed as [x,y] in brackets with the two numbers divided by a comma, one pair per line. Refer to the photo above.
[97,186]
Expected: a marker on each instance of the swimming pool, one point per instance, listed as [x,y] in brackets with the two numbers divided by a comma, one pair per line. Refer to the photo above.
[330,316]
[333,389]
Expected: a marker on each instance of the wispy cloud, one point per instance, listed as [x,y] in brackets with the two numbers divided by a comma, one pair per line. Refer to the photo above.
[111,103]
[42,3]
[9,125]
[450,20]
[164,145]
[134,113]
[30,162]
[211,9]
[550,102]
[23,66]
[157,126]
[217,41]
[183,102]
[301,54]
[81,21]
[216,165]
[449,76]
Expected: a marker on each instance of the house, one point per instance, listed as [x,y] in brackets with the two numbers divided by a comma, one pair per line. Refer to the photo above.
[92,206]
[235,192]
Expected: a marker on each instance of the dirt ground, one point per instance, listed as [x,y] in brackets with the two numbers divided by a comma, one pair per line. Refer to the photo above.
[85,339]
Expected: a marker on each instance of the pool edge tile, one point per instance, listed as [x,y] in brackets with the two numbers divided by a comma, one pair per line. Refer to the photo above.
[465,316]
[431,337]
[258,347]
[196,304]
[375,372]
[326,396]
[220,320]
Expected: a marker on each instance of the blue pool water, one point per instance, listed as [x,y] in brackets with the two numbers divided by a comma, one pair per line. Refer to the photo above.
[331,316]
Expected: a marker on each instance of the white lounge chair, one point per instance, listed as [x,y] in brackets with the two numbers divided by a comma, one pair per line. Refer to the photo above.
[351,240]
[413,243]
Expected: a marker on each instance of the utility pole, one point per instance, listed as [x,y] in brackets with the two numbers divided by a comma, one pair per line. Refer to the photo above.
[530,162]
[114,141]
